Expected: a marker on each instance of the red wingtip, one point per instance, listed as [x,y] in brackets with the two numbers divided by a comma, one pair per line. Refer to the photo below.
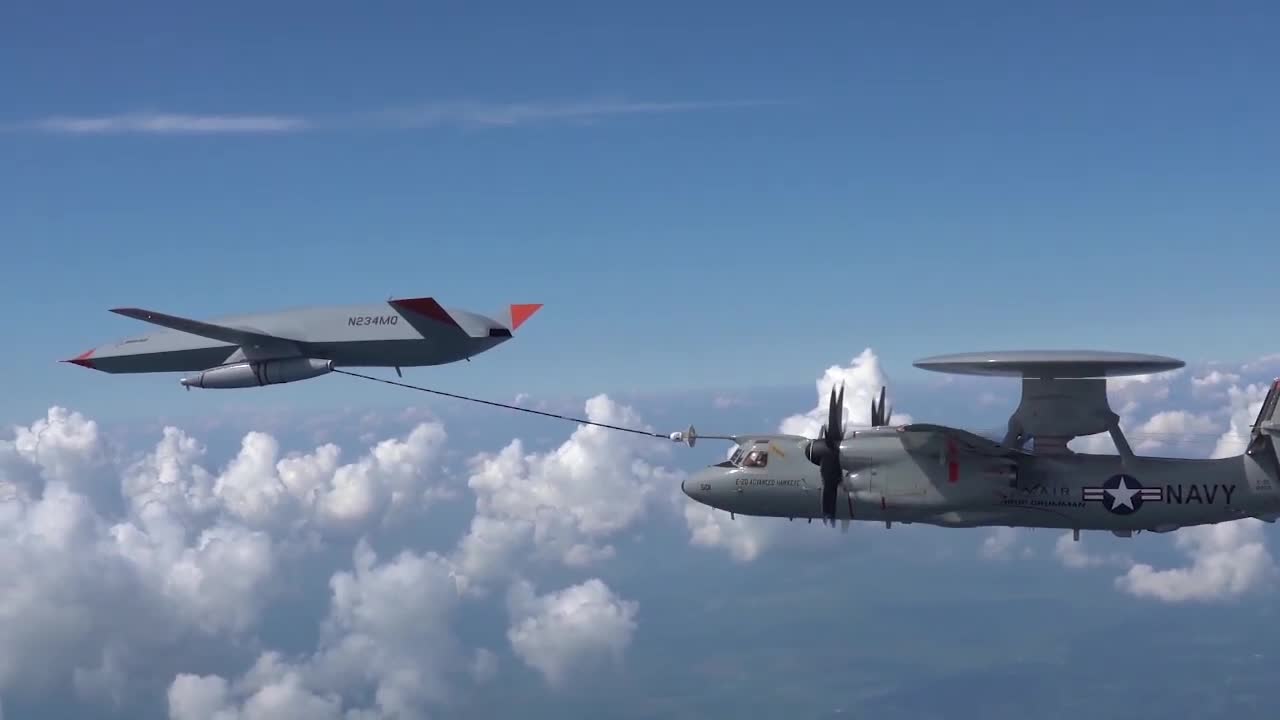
[521,313]
[82,359]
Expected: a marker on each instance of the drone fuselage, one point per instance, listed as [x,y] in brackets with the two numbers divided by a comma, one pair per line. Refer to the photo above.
[893,475]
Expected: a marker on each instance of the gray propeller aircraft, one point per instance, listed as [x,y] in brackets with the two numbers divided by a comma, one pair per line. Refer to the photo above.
[949,477]
[291,345]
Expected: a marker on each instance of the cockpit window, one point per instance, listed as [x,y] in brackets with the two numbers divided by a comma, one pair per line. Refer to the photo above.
[756,459]
[736,458]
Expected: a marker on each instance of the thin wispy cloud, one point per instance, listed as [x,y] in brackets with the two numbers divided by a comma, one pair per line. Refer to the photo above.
[467,115]
[167,124]
[514,114]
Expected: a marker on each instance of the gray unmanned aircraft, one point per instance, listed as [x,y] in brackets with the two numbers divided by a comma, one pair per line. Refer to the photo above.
[949,477]
[291,345]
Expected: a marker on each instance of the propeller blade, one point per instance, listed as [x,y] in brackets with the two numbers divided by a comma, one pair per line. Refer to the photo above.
[879,409]
[824,451]
[831,476]
[832,432]
[829,465]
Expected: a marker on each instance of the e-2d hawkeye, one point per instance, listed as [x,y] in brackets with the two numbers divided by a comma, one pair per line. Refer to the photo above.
[949,477]
[290,345]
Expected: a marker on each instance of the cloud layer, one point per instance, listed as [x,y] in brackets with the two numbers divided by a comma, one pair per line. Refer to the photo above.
[185,560]
[279,583]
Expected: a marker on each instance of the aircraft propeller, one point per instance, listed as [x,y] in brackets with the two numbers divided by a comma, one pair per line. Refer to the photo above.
[824,451]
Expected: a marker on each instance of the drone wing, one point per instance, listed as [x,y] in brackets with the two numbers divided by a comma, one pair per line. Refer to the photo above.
[253,343]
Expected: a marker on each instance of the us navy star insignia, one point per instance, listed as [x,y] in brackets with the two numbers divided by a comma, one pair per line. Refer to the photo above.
[1122,494]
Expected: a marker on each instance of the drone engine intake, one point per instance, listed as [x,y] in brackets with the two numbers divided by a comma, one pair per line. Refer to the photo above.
[255,374]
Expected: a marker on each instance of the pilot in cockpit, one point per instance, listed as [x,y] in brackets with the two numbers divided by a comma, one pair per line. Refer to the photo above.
[756,459]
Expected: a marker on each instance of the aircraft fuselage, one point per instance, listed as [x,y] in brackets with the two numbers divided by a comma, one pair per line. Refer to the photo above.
[888,483]
[390,334]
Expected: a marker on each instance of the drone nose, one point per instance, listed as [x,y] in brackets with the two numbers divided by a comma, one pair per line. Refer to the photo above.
[684,487]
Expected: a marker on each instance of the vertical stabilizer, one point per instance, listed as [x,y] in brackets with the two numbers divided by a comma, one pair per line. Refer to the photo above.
[1267,422]
[1262,442]
[516,315]
[1266,427]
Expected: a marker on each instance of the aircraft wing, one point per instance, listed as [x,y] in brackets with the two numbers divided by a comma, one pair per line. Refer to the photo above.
[414,310]
[969,441]
[251,342]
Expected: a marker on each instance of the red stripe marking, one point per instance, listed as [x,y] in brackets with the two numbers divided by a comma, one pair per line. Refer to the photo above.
[427,307]
[82,359]
[953,468]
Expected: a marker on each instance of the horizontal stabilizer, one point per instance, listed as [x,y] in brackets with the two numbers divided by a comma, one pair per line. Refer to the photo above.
[247,339]
[426,307]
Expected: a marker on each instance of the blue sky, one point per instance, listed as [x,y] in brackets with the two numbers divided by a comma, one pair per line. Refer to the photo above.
[700,196]
[716,203]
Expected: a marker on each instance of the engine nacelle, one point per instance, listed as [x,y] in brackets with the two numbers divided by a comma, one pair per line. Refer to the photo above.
[255,374]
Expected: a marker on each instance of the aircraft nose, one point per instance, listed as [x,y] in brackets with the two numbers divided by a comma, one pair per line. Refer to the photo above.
[699,486]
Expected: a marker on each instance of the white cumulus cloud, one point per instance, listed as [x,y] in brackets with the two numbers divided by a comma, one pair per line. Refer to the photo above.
[862,379]
[86,596]
[1227,560]
[567,633]
[1002,544]
[565,503]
